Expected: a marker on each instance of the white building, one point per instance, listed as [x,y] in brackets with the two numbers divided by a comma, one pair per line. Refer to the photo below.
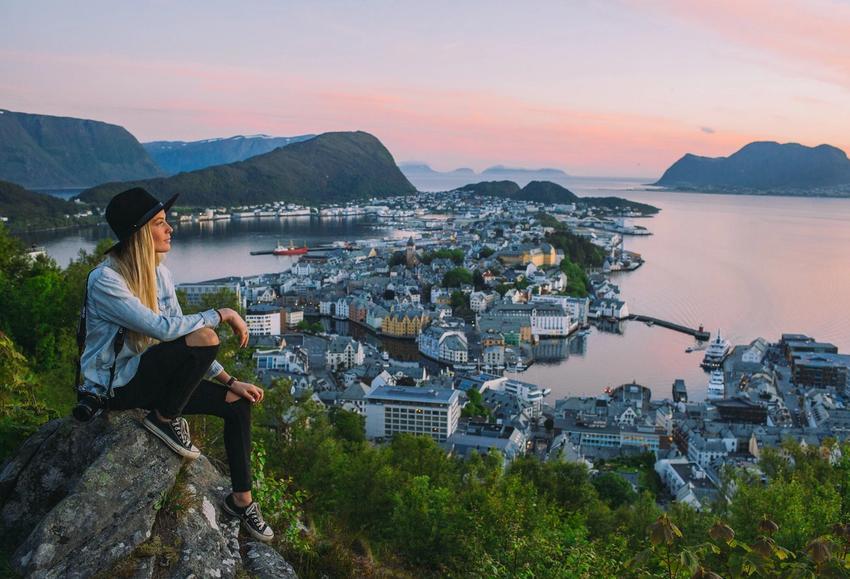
[340,311]
[480,301]
[756,352]
[293,360]
[526,392]
[443,344]
[550,320]
[343,353]
[195,292]
[430,412]
[494,356]
[263,320]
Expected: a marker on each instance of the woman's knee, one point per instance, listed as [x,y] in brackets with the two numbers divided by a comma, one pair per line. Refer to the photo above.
[240,410]
[201,338]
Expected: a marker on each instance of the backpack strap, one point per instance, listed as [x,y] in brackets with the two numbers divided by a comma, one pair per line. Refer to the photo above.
[117,343]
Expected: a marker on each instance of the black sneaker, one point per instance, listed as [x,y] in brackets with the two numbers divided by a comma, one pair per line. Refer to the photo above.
[175,434]
[251,517]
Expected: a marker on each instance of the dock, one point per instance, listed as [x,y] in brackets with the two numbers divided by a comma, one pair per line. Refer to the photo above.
[700,334]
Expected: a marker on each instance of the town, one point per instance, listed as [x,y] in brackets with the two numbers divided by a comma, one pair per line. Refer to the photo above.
[425,333]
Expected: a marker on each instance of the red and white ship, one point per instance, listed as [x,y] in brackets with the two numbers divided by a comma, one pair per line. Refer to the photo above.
[291,250]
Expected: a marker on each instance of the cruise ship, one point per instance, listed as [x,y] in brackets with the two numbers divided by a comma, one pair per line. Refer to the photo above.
[716,352]
[716,385]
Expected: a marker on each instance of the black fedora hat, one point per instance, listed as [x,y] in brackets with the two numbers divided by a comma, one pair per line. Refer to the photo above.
[128,211]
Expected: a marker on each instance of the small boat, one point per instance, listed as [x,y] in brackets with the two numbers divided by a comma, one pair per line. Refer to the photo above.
[291,250]
[689,349]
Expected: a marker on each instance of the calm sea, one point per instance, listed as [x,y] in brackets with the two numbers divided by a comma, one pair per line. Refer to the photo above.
[748,266]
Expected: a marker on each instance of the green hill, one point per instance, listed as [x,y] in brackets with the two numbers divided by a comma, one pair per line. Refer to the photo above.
[332,167]
[25,209]
[548,193]
[42,151]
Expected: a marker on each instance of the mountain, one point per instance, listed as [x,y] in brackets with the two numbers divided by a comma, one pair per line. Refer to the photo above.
[548,193]
[333,167]
[25,209]
[762,166]
[491,188]
[181,156]
[42,151]
[498,170]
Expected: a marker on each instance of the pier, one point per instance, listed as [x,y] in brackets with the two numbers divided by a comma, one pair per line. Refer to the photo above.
[700,334]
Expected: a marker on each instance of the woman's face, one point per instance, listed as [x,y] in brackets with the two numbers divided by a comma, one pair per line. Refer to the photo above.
[161,231]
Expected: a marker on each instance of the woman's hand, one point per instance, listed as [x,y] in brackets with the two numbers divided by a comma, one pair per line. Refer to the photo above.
[236,323]
[247,391]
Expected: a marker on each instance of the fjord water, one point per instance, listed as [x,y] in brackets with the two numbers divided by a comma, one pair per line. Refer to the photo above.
[749,266]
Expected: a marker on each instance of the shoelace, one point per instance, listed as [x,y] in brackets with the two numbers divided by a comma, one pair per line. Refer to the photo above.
[181,427]
[255,517]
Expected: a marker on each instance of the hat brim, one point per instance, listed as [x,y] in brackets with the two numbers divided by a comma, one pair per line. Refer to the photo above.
[148,216]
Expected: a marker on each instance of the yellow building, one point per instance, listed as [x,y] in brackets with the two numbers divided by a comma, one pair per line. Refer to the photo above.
[404,322]
[543,256]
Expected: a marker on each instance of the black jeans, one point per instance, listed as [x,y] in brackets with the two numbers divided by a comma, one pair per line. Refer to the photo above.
[170,380]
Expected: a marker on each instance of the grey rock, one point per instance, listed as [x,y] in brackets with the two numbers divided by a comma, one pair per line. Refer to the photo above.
[79,499]
[208,536]
[112,473]
[264,562]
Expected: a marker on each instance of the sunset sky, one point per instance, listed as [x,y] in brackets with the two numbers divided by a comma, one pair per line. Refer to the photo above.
[613,88]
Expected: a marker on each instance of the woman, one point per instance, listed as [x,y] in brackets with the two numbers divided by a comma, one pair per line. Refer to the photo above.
[167,362]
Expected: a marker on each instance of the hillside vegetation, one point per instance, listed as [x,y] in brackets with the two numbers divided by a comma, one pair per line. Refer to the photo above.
[330,168]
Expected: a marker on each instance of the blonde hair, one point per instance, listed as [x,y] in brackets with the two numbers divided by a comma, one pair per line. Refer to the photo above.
[136,261]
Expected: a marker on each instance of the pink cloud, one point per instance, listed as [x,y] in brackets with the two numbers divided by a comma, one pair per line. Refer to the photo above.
[809,35]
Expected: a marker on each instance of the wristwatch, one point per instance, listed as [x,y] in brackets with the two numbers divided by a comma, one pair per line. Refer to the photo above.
[230,382]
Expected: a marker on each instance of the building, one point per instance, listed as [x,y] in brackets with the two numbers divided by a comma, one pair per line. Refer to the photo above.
[195,292]
[264,320]
[443,344]
[344,353]
[293,360]
[392,410]
[404,321]
[291,317]
[821,370]
[493,356]
[544,255]
[687,482]
[550,320]
[481,300]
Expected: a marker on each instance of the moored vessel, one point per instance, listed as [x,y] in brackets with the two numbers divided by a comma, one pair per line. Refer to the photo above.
[290,250]
[716,385]
[716,352]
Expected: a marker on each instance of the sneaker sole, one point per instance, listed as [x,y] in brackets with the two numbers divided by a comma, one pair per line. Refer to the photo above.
[246,526]
[153,429]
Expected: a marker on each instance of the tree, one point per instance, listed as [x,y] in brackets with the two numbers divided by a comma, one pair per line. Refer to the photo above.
[457,277]
[478,280]
[614,489]
[348,425]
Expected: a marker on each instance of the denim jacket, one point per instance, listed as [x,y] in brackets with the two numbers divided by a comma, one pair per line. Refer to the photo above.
[111,305]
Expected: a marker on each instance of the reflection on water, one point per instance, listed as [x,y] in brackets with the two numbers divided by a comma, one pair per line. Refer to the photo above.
[750,266]
[209,249]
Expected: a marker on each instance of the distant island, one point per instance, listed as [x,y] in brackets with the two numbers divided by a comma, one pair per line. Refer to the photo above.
[180,156]
[496,172]
[765,168]
[548,193]
[49,152]
[329,168]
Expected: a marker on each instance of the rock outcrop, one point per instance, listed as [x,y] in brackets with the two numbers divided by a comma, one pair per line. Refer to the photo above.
[107,499]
